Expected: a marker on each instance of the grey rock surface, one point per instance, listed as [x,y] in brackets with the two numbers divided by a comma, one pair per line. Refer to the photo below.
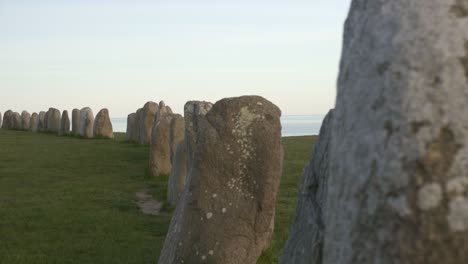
[16,121]
[146,121]
[103,124]
[130,126]
[25,120]
[7,119]
[178,177]
[160,147]
[86,123]
[398,186]
[64,124]
[53,117]
[34,124]
[75,122]
[41,127]
[226,212]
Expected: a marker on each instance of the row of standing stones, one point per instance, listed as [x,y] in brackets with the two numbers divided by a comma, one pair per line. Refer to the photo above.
[83,123]
[225,164]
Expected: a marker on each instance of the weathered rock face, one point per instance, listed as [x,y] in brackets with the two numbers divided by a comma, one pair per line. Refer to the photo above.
[160,148]
[130,126]
[146,121]
[178,177]
[177,132]
[103,125]
[1,120]
[41,126]
[306,235]
[86,122]
[25,120]
[65,124]
[226,212]
[398,187]
[75,121]
[46,121]
[16,121]
[34,122]
[7,120]
[53,120]
[136,128]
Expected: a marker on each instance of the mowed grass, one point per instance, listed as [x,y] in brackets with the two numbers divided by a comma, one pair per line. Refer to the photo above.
[70,200]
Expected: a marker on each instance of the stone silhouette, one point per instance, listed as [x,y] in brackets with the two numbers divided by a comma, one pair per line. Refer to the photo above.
[53,117]
[136,127]
[177,132]
[226,212]
[178,177]
[130,126]
[41,127]
[25,120]
[306,235]
[103,125]
[86,123]
[398,180]
[16,121]
[160,148]
[64,124]
[7,116]
[1,119]
[34,124]
[75,122]
[146,121]
[46,121]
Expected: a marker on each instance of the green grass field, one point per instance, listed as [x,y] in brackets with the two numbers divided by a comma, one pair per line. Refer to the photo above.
[70,200]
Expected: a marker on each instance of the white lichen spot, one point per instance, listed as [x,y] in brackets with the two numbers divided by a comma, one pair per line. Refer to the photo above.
[259,103]
[214,195]
[457,185]
[180,244]
[203,257]
[209,215]
[400,205]
[224,210]
[211,252]
[458,214]
[429,196]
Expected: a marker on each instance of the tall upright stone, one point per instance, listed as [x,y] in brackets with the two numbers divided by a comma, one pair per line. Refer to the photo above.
[176,133]
[53,120]
[146,121]
[7,119]
[34,125]
[130,126]
[46,121]
[25,120]
[306,235]
[86,123]
[75,122]
[226,212]
[16,121]
[64,124]
[1,120]
[136,128]
[103,124]
[178,177]
[160,148]
[398,187]
[41,127]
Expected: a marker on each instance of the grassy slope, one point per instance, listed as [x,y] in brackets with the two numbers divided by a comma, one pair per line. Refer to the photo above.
[68,200]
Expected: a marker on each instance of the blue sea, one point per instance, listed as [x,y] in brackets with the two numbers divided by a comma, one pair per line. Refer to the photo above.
[293,125]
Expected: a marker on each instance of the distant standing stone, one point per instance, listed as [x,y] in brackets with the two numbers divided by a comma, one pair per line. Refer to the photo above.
[41,127]
[130,126]
[1,121]
[25,120]
[86,122]
[75,121]
[136,128]
[53,120]
[16,121]
[7,119]
[103,125]
[64,124]
[306,235]
[178,177]
[146,121]
[34,122]
[226,212]
[160,148]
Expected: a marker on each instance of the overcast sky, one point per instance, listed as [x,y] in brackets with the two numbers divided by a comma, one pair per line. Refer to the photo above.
[120,54]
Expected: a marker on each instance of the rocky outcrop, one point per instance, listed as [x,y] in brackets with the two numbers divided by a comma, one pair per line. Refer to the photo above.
[226,212]
[398,186]
[41,127]
[160,148]
[103,125]
[86,123]
[75,122]
[64,124]
[178,177]
[34,124]
[306,235]
[146,121]
[130,126]
[53,120]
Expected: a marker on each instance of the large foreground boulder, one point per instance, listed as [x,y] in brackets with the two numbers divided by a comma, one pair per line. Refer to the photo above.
[146,121]
[226,213]
[41,127]
[64,124]
[75,122]
[53,117]
[130,126]
[178,177]
[103,125]
[34,124]
[306,235]
[398,187]
[160,148]
[86,123]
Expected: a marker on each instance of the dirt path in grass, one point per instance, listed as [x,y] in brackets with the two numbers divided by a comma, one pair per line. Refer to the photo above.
[148,205]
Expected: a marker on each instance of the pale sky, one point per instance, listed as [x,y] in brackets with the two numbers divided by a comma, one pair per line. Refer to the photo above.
[119,54]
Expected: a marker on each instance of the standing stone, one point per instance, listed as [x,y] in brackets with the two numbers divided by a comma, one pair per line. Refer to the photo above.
[1,120]
[160,148]
[7,119]
[226,212]
[34,122]
[103,125]
[75,121]
[16,121]
[177,132]
[86,123]
[53,120]
[146,121]
[136,128]
[398,187]
[178,177]
[64,124]
[305,240]
[46,121]
[41,126]
[25,120]
[130,126]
